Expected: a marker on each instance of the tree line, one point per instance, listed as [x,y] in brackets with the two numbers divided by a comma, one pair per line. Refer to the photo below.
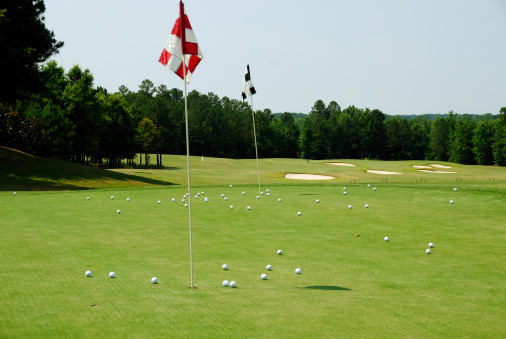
[47,111]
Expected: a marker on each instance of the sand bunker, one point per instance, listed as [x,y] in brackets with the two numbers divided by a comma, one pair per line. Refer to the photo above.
[382,172]
[307,176]
[440,166]
[418,166]
[429,171]
[338,164]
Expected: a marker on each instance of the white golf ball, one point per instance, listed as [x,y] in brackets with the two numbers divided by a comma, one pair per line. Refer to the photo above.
[279,200]
[198,193]
[203,193]
[243,193]
[14,193]
[268,194]
[455,189]
[112,274]
[88,198]
[317,200]
[222,195]
[280,252]
[386,239]
[224,266]
[263,276]
[249,207]
[225,283]
[88,273]
[233,284]
[349,206]
[268,191]
[182,200]
[196,197]
[297,270]
[368,185]
[112,197]
[154,280]
[344,188]
[205,199]
[159,201]
[431,245]
[268,267]
[366,206]
[344,193]
[128,199]
[451,201]
[230,186]
[428,251]
[225,198]
[258,197]
[261,193]
[185,205]
[299,213]
[231,207]
[173,200]
[118,211]
[374,189]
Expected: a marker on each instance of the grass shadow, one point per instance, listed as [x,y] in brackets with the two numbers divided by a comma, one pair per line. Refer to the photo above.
[327,288]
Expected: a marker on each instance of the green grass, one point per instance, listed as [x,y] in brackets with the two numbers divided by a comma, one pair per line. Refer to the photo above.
[349,287]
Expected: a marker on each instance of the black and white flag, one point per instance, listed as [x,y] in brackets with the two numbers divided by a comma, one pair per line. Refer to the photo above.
[247,87]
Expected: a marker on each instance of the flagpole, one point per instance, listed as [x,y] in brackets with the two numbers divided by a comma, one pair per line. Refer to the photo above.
[256,148]
[188,167]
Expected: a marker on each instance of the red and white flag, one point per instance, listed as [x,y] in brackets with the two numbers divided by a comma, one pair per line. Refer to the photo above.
[182,43]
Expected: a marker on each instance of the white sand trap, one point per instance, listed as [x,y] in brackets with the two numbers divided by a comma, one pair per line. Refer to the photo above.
[425,167]
[382,172]
[307,176]
[429,171]
[338,164]
[439,166]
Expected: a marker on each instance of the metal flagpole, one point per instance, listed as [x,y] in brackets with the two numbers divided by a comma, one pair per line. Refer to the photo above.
[188,167]
[256,149]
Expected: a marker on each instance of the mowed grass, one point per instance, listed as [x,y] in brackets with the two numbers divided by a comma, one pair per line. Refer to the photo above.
[350,286]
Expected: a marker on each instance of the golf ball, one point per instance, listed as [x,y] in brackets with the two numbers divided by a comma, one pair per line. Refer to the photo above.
[185,205]
[88,198]
[299,213]
[224,266]
[225,198]
[297,270]
[279,200]
[374,189]
[88,273]
[344,193]
[222,195]
[198,193]
[118,211]
[263,276]
[233,284]
[173,200]
[261,193]
[128,199]
[154,280]
[230,186]
[349,206]
[366,206]
[182,200]
[455,189]
[249,207]
[280,252]
[225,283]
[268,194]
[268,191]
[112,197]
[196,197]
[431,245]
[386,239]
[451,201]
[14,193]
[317,200]
[203,193]
[344,188]
[427,251]
[268,267]
[258,197]
[368,185]
[205,199]
[112,274]
[231,207]
[159,201]
[243,193]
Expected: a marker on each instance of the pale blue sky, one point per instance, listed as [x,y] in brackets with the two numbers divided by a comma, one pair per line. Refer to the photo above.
[400,56]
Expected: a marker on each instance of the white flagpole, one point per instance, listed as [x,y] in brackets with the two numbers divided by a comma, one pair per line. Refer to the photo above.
[256,149]
[188,167]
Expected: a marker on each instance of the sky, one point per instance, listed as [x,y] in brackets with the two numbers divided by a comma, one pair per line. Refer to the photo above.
[398,56]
